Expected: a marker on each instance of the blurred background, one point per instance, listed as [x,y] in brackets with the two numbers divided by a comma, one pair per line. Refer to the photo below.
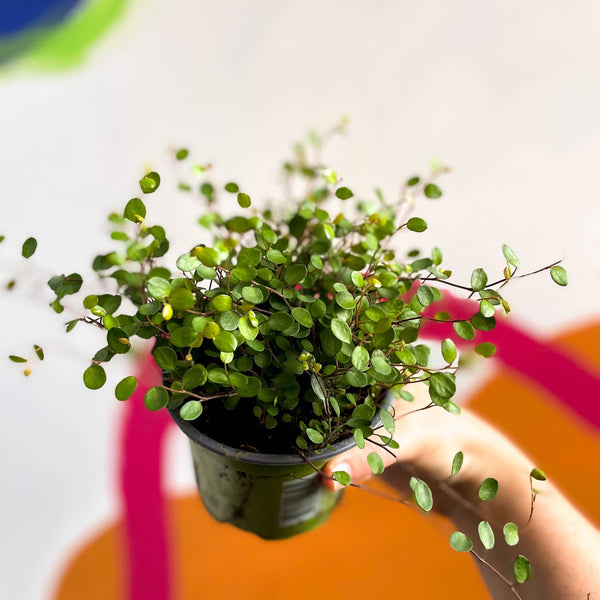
[95,92]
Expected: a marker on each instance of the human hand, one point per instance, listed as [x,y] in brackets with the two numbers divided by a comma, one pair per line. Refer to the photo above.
[429,437]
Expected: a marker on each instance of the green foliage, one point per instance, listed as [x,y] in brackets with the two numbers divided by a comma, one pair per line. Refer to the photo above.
[422,494]
[125,388]
[449,350]
[485,349]
[29,247]
[537,474]
[486,535]
[559,275]
[460,542]
[375,463]
[150,182]
[457,463]
[488,489]
[511,257]
[94,377]
[521,569]
[341,477]
[511,534]
[431,190]
[309,314]
[181,154]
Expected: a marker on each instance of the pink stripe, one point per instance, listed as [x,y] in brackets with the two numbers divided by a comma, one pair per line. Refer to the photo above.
[147,547]
[575,387]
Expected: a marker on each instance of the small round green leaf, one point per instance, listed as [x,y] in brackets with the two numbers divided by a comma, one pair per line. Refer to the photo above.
[275,256]
[359,438]
[511,534]
[486,308]
[184,336]
[341,477]
[457,462]
[294,274]
[464,329]
[422,492]
[248,331]
[483,323]
[443,384]
[425,295]
[135,210]
[375,463]
[314,436]
[245,273]
[510,256]
[486,535]
[521,569]
[360,358]
[537,474]
[181,154]
[345,300]
[449,350]
[254,294]
[460,542]
[165,357]
[302,316]
[222,303]
[380,363]
[156,398]
[225,341]
[209,257]
[559,275]
[280,321]
[125,388]
[432,191]
[479,280]
[194,377]
[244,200]
[182,299]
[387,420]
[249,256]
[191,410]
[94,377]
[341,330]
[118,340]
[158,287]
[150,182]
[488,489]
[344,193]
[485,349]
[416,224]
[29,247]
[228,320]
[232,188]
[90,301]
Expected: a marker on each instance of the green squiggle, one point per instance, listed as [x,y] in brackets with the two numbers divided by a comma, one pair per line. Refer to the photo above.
[67,45]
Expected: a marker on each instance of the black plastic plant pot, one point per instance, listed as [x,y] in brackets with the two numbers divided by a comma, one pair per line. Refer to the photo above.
[275,496]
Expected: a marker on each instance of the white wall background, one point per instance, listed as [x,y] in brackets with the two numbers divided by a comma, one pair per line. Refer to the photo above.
[506,93]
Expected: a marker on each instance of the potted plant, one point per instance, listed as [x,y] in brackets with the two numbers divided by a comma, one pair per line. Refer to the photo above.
[282,341]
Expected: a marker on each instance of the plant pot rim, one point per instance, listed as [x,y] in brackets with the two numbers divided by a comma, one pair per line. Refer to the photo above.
[261,458]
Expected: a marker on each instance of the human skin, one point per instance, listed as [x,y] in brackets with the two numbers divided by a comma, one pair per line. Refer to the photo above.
[562,546]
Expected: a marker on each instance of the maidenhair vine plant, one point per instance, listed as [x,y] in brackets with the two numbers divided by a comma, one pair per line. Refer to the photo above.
[307,316]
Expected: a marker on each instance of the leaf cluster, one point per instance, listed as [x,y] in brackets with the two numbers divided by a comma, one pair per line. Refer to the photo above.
[309,314]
